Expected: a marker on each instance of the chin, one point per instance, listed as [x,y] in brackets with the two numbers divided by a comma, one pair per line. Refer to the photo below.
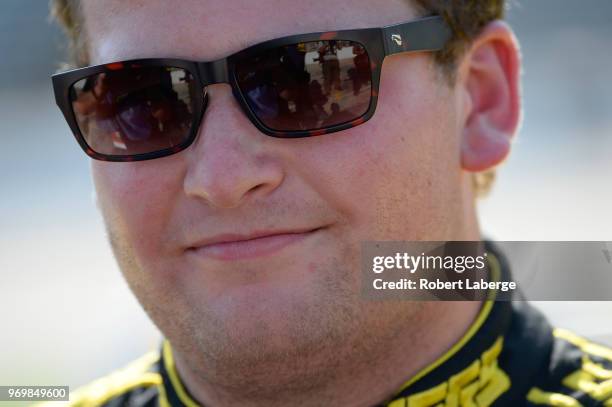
[246,331]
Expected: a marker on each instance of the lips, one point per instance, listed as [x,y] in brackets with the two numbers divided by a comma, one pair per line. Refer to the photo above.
[228,247]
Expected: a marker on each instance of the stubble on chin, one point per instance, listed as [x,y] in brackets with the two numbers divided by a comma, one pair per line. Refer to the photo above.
[307,346]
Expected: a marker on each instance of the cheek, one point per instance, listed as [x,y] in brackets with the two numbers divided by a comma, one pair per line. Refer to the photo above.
[136,201]
[397,175]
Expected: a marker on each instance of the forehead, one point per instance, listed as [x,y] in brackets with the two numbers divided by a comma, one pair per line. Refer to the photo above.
[210,29]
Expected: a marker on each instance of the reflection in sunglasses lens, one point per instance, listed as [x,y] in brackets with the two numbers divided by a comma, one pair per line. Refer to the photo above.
[307,86]
[134,110]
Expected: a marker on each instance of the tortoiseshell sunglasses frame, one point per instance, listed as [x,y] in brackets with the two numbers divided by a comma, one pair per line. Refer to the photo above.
[425,34]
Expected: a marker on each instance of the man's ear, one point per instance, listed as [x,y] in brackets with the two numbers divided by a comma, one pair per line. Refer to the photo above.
[489,74]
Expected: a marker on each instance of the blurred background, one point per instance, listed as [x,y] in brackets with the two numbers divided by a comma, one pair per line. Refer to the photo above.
[67,315]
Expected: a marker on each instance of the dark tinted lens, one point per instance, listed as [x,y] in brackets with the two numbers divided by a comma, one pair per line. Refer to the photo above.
[134,110]
[307,86]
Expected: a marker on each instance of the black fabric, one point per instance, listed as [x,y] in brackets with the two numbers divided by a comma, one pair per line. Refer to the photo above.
[171,393]
[138,397]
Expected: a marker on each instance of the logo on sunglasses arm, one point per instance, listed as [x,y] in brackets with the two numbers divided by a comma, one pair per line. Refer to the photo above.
[397,39]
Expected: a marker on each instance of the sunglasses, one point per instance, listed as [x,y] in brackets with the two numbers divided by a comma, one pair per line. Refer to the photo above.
[297,86]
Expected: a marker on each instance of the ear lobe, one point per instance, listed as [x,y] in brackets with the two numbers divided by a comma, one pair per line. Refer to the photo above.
[483,146]
[492,91]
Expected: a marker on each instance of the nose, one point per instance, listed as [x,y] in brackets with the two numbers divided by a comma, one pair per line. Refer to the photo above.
[230,161]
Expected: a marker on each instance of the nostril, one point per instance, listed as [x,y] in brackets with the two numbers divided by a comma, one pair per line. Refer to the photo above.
[256,188]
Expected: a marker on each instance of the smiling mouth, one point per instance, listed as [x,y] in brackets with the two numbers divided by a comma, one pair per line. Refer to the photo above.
[235,247]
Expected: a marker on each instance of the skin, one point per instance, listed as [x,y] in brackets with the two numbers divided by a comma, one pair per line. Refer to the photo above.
[291,327]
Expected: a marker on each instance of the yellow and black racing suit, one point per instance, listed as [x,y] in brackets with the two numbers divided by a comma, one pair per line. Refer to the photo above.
[510,356]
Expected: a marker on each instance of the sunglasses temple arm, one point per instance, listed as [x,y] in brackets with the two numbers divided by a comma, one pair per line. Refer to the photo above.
[427,34]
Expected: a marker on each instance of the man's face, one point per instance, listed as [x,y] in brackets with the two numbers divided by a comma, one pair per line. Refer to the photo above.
[396,177]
